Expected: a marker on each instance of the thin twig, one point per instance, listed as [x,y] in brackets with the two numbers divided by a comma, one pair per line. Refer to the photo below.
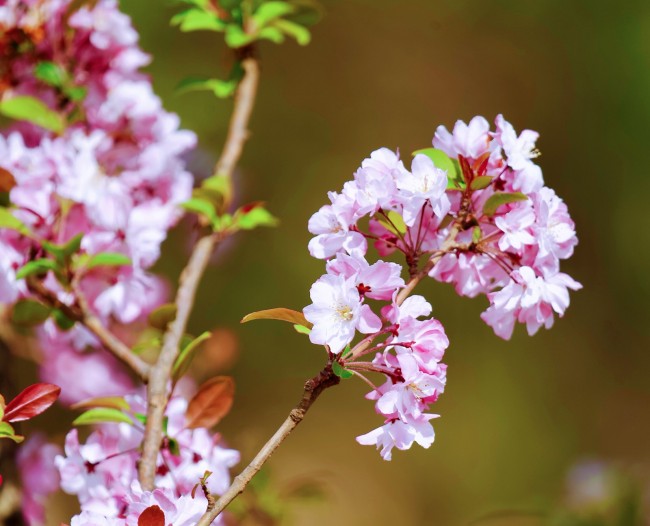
[157,390]
[82,313]
[313,388]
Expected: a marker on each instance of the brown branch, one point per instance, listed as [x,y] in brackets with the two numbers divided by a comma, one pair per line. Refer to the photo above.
[157,390]
[313,388]
[83,314]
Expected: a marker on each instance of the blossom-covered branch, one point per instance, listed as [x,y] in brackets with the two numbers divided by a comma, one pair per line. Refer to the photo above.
[82,313]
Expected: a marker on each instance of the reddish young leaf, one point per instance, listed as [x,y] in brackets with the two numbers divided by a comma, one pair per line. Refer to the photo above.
[281,314]
[31,402]
[152,516]
[7,180]
[211,403]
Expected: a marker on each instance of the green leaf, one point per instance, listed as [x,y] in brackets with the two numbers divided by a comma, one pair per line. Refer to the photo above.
[308,12]
[222,223]
[501,198]
[50,73]
[252,216]
[221,184]
[38,266]
[76,93]
[481,182]
[63,252]
[347,351]
[108,259]
[340,371]
[7,431]
[187,354]
[201,207]
[141,418]
[393,219]
[301,329]
[197,3]
[282,314]
[30,312]
[476,234]
[221,88]
[300,33]
[270,11]
[444,162]
[174,448]
[114,402]
[11,222]
[99,415]
[62,321]
[30,109]
[236,37]
[271,33]
[198,20]
[163,316]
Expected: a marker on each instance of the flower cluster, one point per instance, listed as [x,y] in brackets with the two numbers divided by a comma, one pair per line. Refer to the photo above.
[471,211]
[114,173]
[102,472]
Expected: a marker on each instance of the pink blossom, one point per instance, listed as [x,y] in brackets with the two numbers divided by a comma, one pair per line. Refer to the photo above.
[39,476]
[554,231]
[520,151]
[377,281]
[529,299]
[179,511]
[469,140]
[408,399]
[337,312]
[399,434]
[332,226]
[424,184]
[516,227]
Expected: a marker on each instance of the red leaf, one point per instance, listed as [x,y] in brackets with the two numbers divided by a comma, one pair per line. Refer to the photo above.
[7,180]
[31,402]
[211,403]
[152,516]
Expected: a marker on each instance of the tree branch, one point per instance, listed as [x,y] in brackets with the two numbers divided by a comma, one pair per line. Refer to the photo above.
[313,388]
[157,390]
[84,315]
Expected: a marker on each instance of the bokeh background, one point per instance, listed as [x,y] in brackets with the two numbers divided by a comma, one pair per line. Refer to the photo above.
[517,415]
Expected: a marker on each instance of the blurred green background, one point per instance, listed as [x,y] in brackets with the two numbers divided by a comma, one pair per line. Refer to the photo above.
[516,415]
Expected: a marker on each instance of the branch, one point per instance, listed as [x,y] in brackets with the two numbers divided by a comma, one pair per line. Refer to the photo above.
[313,388]
[157,390]
[84,315]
